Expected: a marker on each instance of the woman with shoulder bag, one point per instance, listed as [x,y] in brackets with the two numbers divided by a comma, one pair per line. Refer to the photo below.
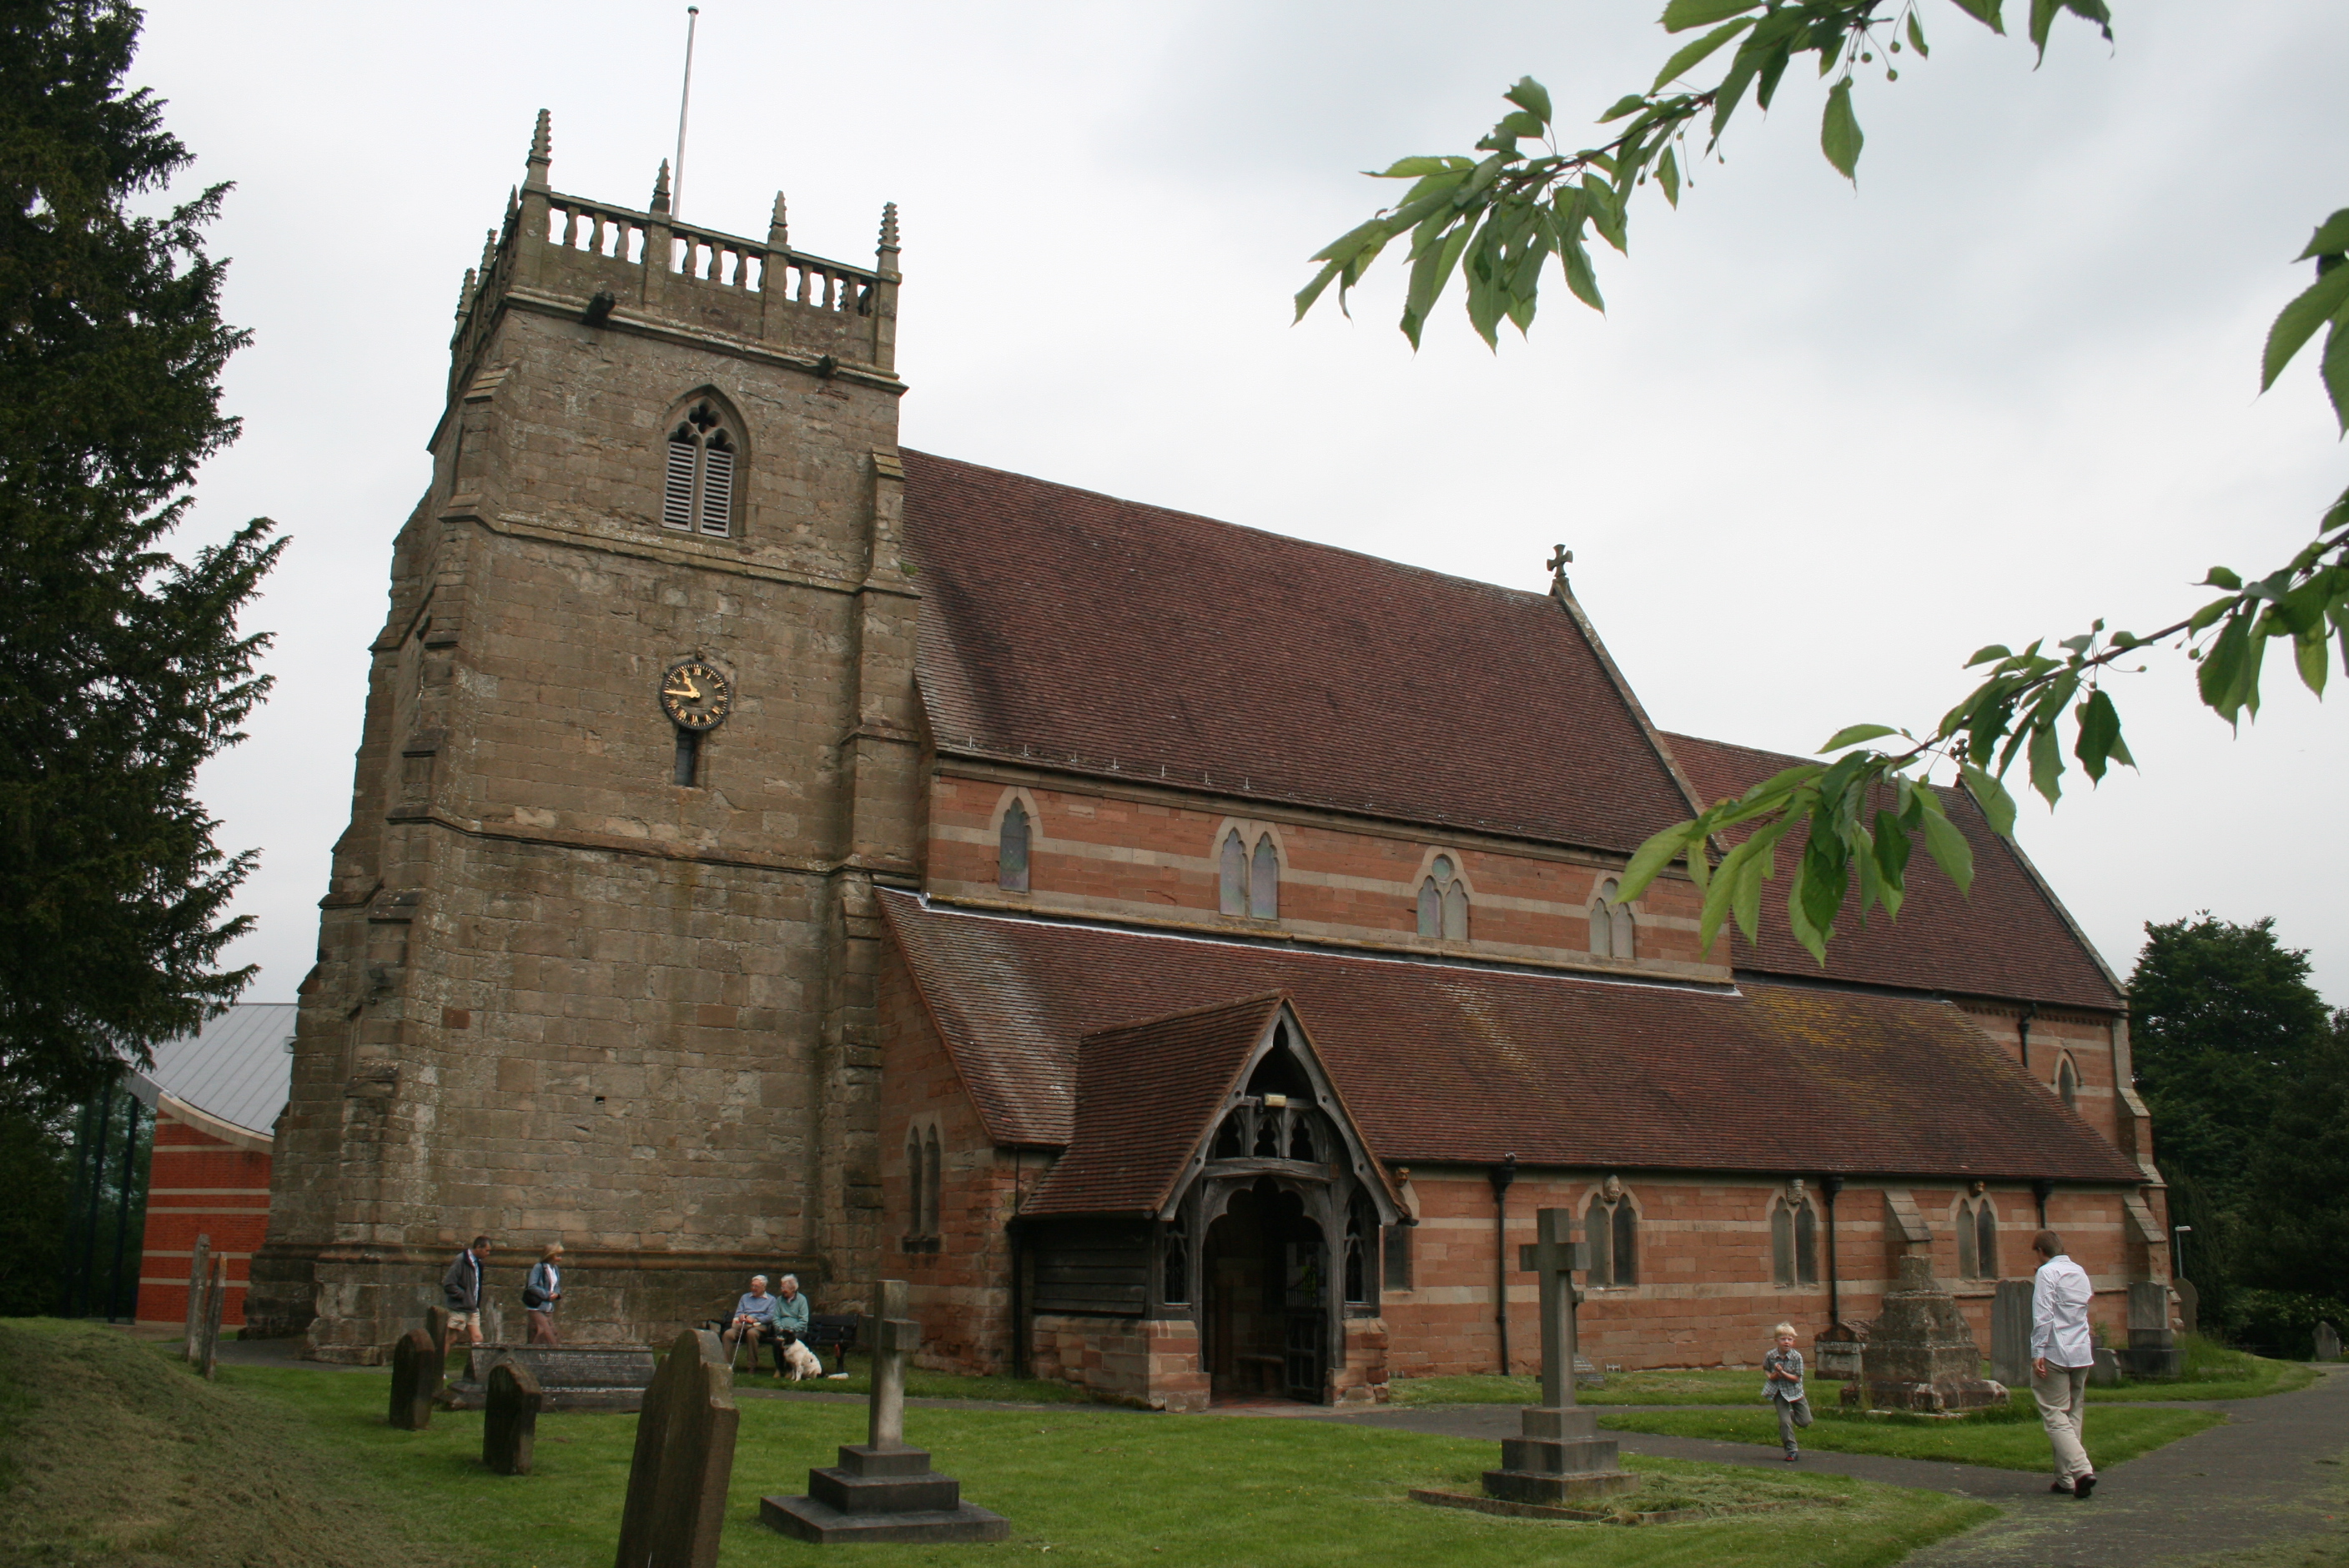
[541,1291]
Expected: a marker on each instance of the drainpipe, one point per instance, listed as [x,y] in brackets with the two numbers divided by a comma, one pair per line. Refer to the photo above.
[2043,1189]
[1829,1187]
[1500,1176]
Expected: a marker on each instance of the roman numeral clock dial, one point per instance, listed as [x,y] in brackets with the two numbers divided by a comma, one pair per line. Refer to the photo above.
[696,697]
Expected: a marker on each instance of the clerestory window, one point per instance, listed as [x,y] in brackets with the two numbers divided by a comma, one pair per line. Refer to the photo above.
[1011,850]
[698,491]
[1612,1228]
[1793,1243]
[1977,1227]
[1249,882]
[1444,902]
[1611,935]
[2067,1082]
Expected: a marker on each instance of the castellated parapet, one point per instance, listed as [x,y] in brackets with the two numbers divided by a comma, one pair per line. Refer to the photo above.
[582,976]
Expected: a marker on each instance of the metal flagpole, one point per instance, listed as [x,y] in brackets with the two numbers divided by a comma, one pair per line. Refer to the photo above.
[685,101]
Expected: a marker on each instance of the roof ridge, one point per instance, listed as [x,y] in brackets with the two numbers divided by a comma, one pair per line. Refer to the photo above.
[1260,998]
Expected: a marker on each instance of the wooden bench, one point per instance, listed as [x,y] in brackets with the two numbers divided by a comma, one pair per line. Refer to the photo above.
[831,1336]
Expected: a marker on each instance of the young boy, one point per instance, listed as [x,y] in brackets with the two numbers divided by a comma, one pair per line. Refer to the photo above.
[1782,1371]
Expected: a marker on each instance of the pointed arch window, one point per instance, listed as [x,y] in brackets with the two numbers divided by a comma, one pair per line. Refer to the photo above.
[1011,850]
[1793,1243]
[932,1174]
[1444,902]
[1232,868]
[1977,1227]
[1611,933]
[697,489]
[916,1188]
[1264,880]
[1612,1228]
[1357,1276]
[2068,1081]
[1248,879]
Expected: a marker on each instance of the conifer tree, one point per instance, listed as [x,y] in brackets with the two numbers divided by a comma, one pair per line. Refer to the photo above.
[121,667]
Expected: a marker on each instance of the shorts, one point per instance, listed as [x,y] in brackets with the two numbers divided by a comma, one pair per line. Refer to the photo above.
[471,1320]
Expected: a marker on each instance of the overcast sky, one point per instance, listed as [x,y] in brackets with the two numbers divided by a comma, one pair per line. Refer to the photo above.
[1823,445]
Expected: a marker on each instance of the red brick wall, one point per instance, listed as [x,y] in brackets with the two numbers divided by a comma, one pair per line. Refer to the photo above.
[1704,1295]
[197,1183]
[1098,853]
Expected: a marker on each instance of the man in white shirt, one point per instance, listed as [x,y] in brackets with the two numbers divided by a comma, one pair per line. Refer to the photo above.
[2062,1354]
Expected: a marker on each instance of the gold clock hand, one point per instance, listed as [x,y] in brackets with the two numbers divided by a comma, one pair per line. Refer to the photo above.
[691,692]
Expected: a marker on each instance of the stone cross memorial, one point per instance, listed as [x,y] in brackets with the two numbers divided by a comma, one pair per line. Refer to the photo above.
[416,1367]
[1560,1459]
[510,1424]
[215,1299]
[882,1490]
[199,1268]
[685,1456]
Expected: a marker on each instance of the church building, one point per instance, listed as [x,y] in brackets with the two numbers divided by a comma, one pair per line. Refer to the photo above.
[1189,955]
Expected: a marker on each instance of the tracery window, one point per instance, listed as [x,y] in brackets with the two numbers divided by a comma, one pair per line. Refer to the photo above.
[1248,883]
[1612,1228]
[1011,850]
[1444,902]
[1793,1243]
[697,490]
[1977,1227]
[1612,934]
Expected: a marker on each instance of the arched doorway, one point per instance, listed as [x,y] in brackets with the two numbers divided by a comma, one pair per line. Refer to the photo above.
[1264,1268]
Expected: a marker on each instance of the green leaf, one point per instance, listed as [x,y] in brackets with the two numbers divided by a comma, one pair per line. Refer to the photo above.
[1431,272]
[2298,321]
[2046,762]
[1688,54]
[1997,805]
[1532,97]
[1917,36]
[1983,11]
[1680,16]
[1852,735]
[1947,846]
[1418,168]
[2331,239]
[1985,654]
[1839,136]
[1732,85]
[1652,857]
[2336,367]
[1578,275]
[2100,733]
[1667,175]
[1630,103]
[2220,577]
[2312,653]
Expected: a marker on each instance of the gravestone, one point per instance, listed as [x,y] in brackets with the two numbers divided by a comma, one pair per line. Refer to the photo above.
[571,1377]
[199,1276]
[510,1426]
[882,1490]
[215,1299]
[2106,1372]
[436,1324]
[1920,1355]
[1559,1458]
[2010,1334]
[416,1368]
[2328,1342]
[2152,1348]
[1836,1353]
[2190,1304]
[685,1456]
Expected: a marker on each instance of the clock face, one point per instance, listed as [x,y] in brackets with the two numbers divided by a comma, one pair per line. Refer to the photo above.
[696,697]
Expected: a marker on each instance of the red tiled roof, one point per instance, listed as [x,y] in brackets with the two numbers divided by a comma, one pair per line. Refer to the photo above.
[1145,1096]
[1100,634]
[2006,937]
[1448,1063]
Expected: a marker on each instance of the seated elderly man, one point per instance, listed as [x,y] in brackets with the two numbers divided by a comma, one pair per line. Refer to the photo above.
[755,1317]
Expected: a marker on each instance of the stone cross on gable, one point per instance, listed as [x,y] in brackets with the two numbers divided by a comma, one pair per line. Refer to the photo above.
[1556,1256]
[892,1335]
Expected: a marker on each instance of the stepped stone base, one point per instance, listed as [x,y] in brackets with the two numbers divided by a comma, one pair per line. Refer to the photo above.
[1560,1459]
[881,1494]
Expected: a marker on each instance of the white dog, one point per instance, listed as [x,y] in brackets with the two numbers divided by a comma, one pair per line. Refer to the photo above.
[802,1361]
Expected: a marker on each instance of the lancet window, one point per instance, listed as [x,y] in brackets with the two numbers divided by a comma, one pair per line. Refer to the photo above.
[2067,1082]
[1444,902]
[697,489]
[1793,1243]
[1612,1228]
[1356,1272]
[1977,1227]
[1011,850]
[1249,882]
[1611,935]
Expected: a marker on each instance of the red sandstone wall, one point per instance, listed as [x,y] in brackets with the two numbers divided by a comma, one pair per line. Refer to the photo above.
[199,1184]
[1102,854]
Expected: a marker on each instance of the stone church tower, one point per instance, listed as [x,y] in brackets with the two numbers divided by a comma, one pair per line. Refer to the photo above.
[598,962]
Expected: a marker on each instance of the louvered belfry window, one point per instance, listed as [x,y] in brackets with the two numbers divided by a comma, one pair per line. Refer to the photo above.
[697,490]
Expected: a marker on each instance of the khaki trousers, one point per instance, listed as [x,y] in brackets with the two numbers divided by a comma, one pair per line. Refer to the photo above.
[2063,1396]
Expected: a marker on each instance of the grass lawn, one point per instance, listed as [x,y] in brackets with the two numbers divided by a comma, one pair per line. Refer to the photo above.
[921,1385]
[2215,1372]
[2009,1438]
[1693,1386]
[1088,1482]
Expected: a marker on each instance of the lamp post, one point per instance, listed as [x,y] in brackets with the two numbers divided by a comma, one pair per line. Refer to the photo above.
[2177,1250]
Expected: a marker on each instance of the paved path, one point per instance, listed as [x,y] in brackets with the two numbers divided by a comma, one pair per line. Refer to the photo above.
[2276,1470]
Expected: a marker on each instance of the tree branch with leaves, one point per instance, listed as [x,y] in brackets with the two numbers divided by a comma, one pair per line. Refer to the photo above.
[1499,219]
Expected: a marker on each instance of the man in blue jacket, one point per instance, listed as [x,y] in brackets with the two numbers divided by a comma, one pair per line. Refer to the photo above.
[755,1317]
